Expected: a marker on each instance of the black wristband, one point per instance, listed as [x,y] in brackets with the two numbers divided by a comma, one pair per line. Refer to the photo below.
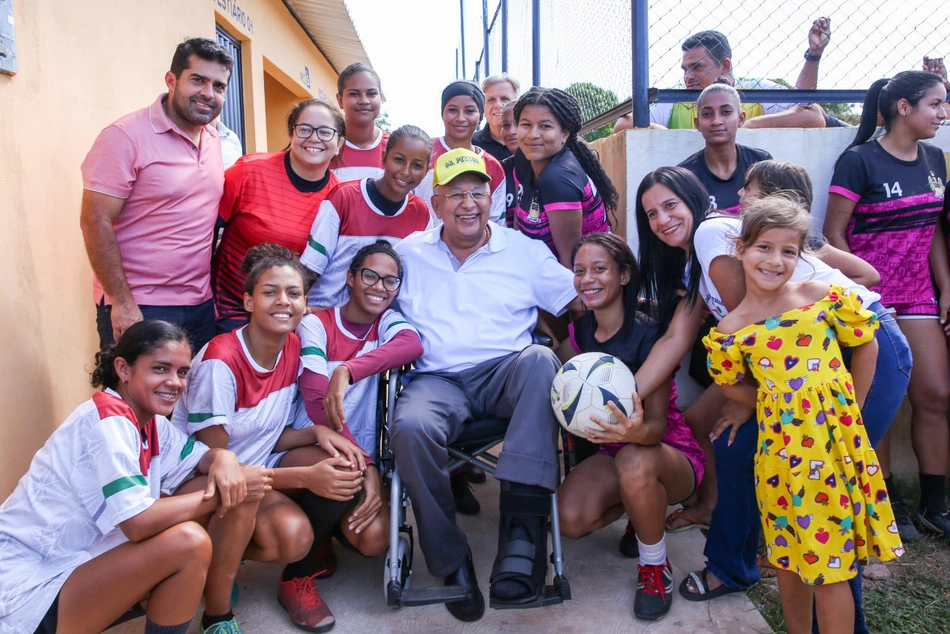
[812,58]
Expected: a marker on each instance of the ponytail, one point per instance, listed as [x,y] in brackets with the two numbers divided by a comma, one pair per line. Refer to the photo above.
[883,95]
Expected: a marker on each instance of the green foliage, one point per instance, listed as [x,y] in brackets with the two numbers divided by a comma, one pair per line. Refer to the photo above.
[594,101]
[382,122]
[844,111]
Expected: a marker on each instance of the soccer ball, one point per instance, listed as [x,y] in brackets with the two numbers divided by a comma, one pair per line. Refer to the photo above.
[584,385]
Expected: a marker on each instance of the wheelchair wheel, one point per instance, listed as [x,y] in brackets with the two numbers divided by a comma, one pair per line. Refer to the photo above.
[394,589]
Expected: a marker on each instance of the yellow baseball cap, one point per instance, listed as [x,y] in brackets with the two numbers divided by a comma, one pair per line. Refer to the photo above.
[456,162]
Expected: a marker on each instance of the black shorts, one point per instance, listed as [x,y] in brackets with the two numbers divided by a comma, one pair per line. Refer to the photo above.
[49,622]
[51,618]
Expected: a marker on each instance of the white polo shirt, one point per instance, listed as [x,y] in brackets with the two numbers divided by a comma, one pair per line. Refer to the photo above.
[484,308]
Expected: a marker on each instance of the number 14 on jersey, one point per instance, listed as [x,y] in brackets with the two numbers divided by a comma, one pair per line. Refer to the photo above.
[893,189]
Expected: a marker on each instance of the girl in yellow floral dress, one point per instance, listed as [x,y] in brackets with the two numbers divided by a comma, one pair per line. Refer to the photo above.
[821,495]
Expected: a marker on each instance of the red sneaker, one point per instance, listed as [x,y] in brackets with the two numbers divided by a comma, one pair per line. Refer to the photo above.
[654,591]
[324,560]
[307,610]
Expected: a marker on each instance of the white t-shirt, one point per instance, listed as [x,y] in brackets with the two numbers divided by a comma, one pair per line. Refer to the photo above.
[715,237]
[231,149]
[227,387]
[484,308]
[661,112]
[95,472]
[326,344]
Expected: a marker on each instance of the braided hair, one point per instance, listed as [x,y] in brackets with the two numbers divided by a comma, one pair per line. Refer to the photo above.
[568,112]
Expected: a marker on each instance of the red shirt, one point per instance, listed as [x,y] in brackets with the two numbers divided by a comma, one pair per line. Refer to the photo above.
[261,205]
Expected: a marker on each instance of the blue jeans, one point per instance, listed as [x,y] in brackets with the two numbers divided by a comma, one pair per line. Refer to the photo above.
[197,321]
[891,376]
[733,540]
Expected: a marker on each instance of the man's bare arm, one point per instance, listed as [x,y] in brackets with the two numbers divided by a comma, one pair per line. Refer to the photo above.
[98,213]
[818,37]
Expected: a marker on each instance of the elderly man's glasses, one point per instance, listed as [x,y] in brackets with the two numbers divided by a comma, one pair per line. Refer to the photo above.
[370,277]
[459,197]
[324,133]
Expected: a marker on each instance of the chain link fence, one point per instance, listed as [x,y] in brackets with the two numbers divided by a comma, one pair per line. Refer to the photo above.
[586,45]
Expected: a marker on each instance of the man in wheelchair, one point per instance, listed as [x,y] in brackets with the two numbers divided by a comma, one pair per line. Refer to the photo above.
[472,289]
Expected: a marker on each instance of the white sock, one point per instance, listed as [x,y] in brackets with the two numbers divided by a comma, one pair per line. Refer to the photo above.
[653,554]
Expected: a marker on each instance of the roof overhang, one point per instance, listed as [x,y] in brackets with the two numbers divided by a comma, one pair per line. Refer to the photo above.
[331,29]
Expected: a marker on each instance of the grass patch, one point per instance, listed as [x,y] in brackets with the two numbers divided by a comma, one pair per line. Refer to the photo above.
[915,599]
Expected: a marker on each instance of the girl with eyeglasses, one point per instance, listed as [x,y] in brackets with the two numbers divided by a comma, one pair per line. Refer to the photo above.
[273,198]
[363,211]
[343,350]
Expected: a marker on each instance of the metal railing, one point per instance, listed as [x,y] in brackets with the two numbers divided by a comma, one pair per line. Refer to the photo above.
[614,53]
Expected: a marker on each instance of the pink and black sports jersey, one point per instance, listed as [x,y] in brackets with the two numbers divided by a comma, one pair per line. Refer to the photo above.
[563,185]
[892,227]
[632,345]
[724,193]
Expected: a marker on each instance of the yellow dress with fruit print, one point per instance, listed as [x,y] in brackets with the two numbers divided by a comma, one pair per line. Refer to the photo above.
[820,491]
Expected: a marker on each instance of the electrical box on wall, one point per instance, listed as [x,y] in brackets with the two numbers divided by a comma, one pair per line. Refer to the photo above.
[8,63]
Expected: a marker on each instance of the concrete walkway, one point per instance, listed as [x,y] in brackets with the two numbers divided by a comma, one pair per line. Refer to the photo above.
[603,585]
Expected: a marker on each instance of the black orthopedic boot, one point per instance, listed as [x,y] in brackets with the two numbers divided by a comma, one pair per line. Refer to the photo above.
[517,578]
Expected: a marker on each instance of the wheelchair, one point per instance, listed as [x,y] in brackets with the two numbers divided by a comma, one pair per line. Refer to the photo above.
[473,446]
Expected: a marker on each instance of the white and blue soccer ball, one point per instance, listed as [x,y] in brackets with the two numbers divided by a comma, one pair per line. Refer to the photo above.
[584,385]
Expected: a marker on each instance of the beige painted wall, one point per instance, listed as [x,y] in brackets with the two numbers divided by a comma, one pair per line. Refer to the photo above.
[279,46]
[81,66]
[279,101]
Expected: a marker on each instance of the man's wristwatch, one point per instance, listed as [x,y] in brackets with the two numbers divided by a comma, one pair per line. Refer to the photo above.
[812,58]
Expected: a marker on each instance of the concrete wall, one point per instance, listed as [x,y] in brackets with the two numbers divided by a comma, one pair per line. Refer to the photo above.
[816,150]
[81,66]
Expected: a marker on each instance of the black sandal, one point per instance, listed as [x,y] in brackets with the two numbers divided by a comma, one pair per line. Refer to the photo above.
[702,585]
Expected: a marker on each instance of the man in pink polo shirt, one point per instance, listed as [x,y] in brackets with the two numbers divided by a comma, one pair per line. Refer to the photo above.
[152,182]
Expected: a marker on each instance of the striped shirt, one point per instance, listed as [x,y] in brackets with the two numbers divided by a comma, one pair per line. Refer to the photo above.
[261,205]
[227,387]
[354,163]
[96,471]
[326,343]
[347,221]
